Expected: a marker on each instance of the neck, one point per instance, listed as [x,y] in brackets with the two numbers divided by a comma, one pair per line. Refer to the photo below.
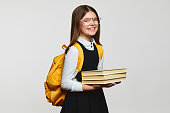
[86,38]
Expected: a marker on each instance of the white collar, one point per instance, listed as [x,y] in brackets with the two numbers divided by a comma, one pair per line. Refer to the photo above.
[85,42]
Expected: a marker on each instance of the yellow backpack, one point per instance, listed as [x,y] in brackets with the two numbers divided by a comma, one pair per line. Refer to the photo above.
[53,91]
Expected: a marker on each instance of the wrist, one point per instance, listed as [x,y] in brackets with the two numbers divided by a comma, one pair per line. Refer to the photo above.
[88,87]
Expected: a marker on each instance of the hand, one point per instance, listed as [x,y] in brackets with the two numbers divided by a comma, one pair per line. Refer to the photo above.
[97,86]
[109,85]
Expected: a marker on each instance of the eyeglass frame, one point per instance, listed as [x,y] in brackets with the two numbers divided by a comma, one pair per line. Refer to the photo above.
[98,19]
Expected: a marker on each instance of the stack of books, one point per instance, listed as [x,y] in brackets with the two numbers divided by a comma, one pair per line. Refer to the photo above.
[103,76]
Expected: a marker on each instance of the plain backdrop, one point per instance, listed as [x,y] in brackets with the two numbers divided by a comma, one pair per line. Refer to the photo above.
[134,33]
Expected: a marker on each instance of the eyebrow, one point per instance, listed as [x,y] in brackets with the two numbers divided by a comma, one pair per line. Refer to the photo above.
[94,17]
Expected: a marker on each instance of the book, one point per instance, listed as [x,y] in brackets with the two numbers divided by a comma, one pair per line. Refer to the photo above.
[103,72]
[103,76]
[103,81]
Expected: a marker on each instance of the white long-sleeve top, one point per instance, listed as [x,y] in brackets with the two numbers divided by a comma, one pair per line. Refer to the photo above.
[70,63]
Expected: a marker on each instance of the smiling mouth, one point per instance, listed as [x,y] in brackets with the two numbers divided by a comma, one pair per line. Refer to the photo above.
[91,29]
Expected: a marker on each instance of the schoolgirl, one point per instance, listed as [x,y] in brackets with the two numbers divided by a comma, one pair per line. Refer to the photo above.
[85,30]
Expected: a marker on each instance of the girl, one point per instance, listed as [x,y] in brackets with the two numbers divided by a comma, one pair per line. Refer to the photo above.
[85,30]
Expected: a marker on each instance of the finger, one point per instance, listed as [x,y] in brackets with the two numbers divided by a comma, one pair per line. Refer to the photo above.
[118,82]
[106,85]
[111,84]
[114,83]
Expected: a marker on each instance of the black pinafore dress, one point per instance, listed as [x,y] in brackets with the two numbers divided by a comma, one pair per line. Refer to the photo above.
[86,101]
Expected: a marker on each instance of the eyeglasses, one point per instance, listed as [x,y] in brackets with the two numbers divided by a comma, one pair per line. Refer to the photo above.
[87,21]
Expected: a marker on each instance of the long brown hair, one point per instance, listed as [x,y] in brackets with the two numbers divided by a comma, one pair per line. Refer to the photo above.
[77,15]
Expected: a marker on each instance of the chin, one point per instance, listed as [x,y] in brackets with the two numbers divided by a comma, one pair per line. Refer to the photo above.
[91,34]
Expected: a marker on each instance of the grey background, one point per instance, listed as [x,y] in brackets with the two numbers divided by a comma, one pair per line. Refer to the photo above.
[134,33]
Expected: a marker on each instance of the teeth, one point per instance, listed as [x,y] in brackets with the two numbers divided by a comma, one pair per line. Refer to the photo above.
[91,28]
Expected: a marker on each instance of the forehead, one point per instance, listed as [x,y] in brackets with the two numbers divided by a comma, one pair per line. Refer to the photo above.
[89,14]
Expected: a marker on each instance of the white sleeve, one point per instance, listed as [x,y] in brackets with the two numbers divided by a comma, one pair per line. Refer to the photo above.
[100,64]
[70,64]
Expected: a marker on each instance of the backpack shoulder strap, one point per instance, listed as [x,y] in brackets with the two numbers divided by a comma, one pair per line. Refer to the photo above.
[80,57]
[100,50]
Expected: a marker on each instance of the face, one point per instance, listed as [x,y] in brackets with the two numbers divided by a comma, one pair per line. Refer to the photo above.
[88,28]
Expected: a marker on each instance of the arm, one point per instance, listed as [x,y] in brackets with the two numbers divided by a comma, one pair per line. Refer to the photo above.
[70,64]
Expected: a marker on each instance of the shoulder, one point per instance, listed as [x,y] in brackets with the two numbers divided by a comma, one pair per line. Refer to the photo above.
[72,50]
[99,47]
[100,51]
[71,55]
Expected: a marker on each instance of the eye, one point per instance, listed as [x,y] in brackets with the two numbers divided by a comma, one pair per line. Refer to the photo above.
[86,20]
[95,19]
